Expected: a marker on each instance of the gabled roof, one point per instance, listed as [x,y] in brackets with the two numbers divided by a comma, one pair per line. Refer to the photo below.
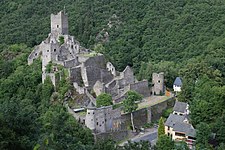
[173,119]
[185,128]
[180,107]
[178,81]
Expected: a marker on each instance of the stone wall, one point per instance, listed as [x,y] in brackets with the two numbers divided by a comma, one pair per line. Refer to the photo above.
[145,115]
[75,75]
[71,63]
[140,118]
[34,55]
[106,76]
[141,87]
[116,135]
[157,110]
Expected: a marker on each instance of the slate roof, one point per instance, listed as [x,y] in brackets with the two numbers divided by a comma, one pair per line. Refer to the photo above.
[180,107]
[185,128]
[178,81]
[173,119]
[176,122]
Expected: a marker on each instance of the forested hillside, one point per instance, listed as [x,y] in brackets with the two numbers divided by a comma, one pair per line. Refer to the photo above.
[180,37]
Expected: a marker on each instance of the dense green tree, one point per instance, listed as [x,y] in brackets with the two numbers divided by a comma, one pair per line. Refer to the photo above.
[130,104]
[161,128]
[57,123]
[105,145]
[203,135]
[181,146]
[164,142]
[104,99]
[143,145]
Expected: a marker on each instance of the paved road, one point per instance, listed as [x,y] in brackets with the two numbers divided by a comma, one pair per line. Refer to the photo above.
[150,135]
[147,137]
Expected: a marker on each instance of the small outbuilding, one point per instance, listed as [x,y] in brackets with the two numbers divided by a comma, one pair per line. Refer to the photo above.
[177,84]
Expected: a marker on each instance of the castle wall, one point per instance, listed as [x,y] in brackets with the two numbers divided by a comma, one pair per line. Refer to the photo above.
[71,63]
[147,115]
[106,76]
[141,87]
[75,75]
[46,54]
[98,88]
[128,76]
[116,135]
[96,61]
[54,47]
[34,55]
[93,75]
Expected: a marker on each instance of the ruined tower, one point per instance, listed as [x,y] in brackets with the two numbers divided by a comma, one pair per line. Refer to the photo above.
[90,118]
[59,23]
[158,83]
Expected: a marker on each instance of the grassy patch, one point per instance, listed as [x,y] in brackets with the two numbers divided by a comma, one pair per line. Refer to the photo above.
[152,102]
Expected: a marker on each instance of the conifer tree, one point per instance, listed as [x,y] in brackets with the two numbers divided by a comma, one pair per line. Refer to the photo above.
[161,129]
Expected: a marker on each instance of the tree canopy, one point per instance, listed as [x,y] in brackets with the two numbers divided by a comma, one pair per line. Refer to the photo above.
[104,99]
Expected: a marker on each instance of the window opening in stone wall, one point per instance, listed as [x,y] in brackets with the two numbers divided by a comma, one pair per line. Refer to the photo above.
[47,50]
[57,26]
[54,50]
[97,123]
[158,81]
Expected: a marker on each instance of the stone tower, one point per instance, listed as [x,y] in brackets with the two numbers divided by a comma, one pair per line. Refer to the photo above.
[90,118]
[158,83]
[59,23]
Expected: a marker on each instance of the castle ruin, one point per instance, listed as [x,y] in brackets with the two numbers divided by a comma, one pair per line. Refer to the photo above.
[87,69]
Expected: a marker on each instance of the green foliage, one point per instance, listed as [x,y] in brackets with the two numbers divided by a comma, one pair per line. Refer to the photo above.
[27,116]
[129,103]
[105,145]
[203,135]
[167,112]
[161,128]
[181,146]
[49,67]
[104,99]
[99,48]
[143,145]
[61,40]
[55,123]
[164,143]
